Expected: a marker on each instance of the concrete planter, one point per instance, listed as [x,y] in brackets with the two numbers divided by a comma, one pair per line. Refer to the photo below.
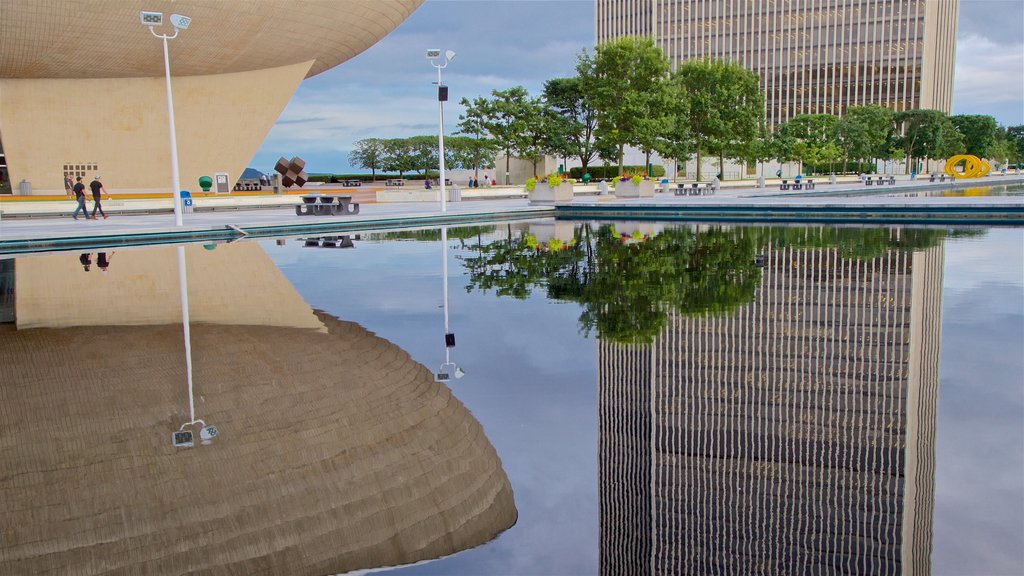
[544,194]
[645,189]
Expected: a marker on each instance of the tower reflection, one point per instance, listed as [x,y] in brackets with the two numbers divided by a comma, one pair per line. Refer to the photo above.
[793,435]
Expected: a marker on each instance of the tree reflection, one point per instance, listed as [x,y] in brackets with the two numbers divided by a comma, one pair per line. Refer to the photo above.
[628,283]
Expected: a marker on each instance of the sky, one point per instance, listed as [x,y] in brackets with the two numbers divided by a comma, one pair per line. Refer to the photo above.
[387,91]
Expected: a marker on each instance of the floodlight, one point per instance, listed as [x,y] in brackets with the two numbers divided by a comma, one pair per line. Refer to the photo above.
[208,433]
[180,22]
[432,53]
[449,55]
[182,439]
[151,18]
[459,372]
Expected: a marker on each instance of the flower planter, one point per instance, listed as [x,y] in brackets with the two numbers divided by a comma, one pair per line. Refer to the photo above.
[645,189]
[544,194]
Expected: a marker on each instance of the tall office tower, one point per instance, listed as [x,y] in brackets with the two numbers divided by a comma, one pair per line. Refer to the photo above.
[813,56]
[793,436]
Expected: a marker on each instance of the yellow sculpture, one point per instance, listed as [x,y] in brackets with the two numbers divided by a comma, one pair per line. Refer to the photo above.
[974,167]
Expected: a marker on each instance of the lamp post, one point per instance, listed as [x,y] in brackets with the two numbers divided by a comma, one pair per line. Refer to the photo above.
[442,96]
[179,22]
[448,369]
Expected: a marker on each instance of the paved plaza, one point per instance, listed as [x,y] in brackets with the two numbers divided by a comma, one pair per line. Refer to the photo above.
[46,220]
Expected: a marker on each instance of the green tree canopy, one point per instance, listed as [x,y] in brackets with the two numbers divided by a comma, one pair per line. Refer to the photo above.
[565,97]
[625,83]
[978,131]
[368,154]
[926,134]
[865,132]
[725,107]
[478,152]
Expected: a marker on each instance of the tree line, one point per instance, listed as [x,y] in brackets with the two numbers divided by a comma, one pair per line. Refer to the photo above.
[625,94]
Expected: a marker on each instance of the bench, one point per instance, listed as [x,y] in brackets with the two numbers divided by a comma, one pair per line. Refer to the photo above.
[326,205]
[329,242]
[784,185]
[809,185]
[351,183]
[390,182]
[797,185]
[892,180]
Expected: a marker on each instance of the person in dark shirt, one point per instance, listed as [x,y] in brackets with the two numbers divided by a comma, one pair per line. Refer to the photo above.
[80,197]
[97,189]
[86,260]
[103,260]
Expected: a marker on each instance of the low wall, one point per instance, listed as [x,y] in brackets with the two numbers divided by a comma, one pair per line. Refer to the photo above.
[396,195]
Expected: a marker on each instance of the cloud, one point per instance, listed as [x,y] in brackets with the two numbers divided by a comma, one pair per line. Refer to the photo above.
[989,78]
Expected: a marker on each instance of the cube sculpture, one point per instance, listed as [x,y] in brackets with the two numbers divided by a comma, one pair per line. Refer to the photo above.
[292,172]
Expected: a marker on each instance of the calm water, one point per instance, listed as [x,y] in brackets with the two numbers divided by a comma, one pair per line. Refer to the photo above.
[632,398]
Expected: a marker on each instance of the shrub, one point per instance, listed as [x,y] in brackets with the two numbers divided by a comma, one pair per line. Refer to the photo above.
[531,184]
[610,172]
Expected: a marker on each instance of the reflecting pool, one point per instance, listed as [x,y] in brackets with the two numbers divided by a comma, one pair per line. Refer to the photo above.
[539,397]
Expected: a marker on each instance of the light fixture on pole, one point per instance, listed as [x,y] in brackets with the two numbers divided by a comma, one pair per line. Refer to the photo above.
[179,22]
[434,54]
[183,437]
[448,369]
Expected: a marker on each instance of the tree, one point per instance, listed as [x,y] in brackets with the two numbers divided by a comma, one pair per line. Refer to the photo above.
[399,156]
[725,107]
[926,134]
[565,97]
[978,131]
[865,132]
[812,138]
[504,118]
[368,154]
[478,152]
[625,83]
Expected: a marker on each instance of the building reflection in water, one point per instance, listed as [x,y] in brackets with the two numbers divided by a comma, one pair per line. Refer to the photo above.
[795,435]
[337,451]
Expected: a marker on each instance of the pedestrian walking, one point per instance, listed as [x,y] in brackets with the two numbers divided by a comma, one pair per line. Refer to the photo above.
[97,190]
[68,185]
[103,260]
[79,190]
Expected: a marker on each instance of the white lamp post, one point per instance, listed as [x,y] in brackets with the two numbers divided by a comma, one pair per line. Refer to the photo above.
[448,369]
[179,22]
[442,95]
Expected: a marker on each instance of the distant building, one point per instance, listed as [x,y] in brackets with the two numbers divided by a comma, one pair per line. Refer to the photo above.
[82,83]
[812,57]
[794,436]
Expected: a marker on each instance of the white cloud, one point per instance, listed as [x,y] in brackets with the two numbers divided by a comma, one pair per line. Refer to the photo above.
[987,72]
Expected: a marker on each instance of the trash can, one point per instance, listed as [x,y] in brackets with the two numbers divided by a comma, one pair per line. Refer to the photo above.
[454,193]
[586,178]
[186,202]
[25,188]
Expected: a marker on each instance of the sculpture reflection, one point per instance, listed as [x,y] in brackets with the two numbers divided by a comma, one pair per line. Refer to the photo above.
[343,453]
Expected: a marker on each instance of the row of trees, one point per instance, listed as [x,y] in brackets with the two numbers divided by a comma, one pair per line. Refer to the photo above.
[626,95]
[865,133]
[418,154]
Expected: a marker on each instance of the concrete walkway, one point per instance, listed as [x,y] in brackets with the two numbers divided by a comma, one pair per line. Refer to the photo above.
[34,225]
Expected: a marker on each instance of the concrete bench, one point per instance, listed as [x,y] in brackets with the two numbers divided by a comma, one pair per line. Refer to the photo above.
[393,182]
[328,242]
[326,205]
[351,183]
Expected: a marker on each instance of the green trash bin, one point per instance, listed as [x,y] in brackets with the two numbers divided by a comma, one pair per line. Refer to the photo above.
[205,182]
[586,178]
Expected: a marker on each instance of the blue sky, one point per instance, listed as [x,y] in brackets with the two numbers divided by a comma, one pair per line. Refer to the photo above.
[387,91]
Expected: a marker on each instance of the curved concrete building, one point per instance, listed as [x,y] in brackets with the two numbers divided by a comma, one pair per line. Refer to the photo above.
[337,451]
[82,83]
